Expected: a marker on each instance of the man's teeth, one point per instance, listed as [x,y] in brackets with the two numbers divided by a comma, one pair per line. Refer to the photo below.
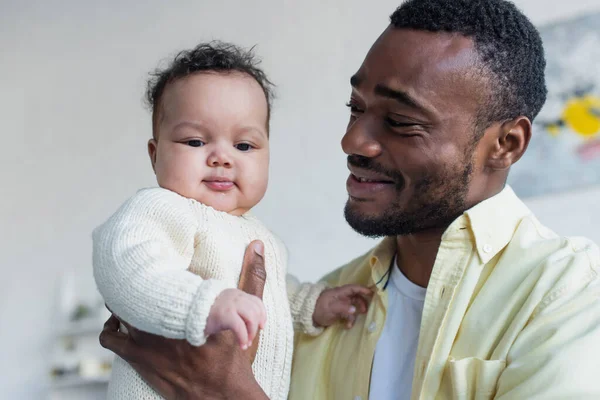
[366,180]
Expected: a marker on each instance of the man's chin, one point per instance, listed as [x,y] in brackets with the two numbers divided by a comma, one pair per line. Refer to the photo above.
[365,224]
[370,208]
[382,223]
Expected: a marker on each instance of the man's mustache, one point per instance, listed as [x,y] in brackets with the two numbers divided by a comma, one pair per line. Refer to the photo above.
[370,164]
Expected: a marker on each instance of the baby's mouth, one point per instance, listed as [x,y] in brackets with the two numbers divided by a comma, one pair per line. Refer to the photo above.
[219,184]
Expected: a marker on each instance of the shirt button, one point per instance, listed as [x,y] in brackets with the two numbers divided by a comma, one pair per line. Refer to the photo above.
[372,327]
[487,248]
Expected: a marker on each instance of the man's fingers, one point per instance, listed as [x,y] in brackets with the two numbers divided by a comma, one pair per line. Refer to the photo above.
[115,341]
[252,280]
[129,330]
[157,382]
[128,327]
[254,275]
[111,324]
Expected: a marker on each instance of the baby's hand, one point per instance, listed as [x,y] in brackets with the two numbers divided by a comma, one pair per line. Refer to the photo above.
[342,303]
[238,311]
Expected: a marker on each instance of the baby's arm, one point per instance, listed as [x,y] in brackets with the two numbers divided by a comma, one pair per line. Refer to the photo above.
[315,306]
[140,258]
[303,299]
[342,304]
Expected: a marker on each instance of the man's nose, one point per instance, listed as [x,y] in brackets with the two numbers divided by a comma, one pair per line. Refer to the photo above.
[360,138]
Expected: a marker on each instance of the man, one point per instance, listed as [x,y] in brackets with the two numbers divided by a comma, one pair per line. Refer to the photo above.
[441,108]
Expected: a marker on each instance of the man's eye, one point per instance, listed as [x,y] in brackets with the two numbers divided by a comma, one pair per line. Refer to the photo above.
[353,108]
[195,143]
[243,146]
[396,124]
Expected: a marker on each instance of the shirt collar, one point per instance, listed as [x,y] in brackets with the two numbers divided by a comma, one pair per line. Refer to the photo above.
[380,260]
[492,224]
[494,221]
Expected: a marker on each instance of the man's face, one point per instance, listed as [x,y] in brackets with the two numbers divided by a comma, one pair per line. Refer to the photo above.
[412,153]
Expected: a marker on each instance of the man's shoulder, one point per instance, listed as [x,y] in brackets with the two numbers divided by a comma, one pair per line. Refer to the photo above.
[537,240]
[562,265]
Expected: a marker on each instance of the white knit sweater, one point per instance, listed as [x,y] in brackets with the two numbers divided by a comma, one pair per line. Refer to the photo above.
[160,262]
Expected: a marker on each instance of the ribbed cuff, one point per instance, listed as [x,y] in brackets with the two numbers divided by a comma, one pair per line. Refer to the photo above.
[307,310]
[200,309]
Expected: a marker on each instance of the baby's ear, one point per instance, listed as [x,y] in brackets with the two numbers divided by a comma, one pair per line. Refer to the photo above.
[152,147]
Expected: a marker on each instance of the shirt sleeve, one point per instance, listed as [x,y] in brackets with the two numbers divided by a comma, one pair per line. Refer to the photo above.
[557,354]
[141,257]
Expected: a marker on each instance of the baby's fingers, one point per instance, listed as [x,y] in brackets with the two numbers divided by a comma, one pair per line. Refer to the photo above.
[262,319]
[251,320]
[356,290]
[350,321]
[342,309]
[240,330]
[361,304]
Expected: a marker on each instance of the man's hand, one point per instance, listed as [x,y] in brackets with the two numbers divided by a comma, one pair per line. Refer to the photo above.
[177,370]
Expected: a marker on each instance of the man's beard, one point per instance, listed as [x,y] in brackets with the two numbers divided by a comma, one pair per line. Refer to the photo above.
[438,199]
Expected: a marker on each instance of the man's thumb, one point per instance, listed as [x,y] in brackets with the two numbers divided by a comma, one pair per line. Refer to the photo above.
[254,275]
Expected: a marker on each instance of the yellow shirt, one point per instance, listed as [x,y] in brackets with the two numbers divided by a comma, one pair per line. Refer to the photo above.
[512,311]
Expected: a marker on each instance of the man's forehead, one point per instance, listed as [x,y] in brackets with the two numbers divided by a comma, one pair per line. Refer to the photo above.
[428,65]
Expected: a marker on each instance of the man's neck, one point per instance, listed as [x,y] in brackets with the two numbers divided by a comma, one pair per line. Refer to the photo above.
[416,255]
[417,252]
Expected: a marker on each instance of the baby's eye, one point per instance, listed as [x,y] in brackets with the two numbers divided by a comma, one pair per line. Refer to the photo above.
[243,146]
[195,143]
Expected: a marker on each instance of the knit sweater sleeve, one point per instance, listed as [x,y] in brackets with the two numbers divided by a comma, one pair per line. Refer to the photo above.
[140,259]
[303,300]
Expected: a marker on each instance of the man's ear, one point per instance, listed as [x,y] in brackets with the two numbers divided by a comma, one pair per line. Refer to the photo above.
[152,148]
[510,143]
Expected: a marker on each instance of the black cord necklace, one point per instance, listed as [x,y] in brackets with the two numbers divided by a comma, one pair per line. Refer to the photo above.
[387,274]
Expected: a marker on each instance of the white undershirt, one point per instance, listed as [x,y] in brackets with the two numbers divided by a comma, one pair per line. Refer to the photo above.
[394,361]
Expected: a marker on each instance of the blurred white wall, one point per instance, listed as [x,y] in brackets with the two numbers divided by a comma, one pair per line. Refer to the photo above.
[74,135]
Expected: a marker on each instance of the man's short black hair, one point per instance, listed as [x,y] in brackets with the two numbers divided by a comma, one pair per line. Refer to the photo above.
[215,56]
[509,48]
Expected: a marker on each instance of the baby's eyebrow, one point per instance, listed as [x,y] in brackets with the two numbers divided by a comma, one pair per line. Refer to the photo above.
[252,129]
[190,124]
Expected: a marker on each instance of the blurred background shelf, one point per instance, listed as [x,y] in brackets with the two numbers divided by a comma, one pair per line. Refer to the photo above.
[78,381]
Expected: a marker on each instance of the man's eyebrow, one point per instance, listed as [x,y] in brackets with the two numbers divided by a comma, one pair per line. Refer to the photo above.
[400,96]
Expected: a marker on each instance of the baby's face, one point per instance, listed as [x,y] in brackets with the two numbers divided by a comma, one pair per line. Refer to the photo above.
[213,144]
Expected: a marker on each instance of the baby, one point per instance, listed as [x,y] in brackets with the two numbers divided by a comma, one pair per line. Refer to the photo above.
[168,261]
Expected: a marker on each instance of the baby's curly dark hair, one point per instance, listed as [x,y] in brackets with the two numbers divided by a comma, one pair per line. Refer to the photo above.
[214,56]
[509,47]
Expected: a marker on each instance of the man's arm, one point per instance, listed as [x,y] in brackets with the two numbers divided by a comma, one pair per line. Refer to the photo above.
[177,370]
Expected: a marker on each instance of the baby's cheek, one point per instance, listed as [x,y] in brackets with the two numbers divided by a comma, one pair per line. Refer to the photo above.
[255,186]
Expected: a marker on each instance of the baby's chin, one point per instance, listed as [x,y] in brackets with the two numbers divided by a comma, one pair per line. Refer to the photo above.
[225,202]
[229,201]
